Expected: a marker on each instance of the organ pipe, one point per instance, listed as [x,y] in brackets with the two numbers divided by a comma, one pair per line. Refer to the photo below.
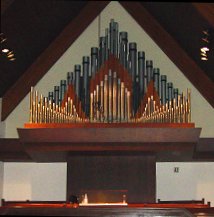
[115,84]
[141,71]
[123,52]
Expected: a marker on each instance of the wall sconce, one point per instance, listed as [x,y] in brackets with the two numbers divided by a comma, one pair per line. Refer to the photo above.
[206,44]
[5,51]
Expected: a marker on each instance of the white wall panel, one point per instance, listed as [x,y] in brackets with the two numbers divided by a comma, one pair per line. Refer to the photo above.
[1,180]
[194,181]
[35,181]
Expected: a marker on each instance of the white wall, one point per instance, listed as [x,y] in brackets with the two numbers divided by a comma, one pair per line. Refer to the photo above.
[1,180]
[194,181]
[0,107]
[2,133]
[2,123]
[31,181]
[22,185]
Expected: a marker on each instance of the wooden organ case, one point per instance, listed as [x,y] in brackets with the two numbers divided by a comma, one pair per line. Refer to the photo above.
[107,120]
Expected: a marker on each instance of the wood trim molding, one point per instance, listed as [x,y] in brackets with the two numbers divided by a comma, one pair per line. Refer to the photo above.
[44,62]
[13,150]
[166,42]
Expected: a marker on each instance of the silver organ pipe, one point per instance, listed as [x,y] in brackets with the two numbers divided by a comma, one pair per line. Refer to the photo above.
[115,84]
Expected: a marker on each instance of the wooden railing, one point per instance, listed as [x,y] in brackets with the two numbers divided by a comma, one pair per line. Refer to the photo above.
[63,208]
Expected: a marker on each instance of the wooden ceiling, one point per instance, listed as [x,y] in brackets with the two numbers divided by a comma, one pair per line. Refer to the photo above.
[40,31]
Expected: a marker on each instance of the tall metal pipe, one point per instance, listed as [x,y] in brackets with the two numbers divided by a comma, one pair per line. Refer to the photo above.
[81,88]
[169,91]
[149,70]
[122,94]
[94,61]
[69,78]
[115,94]
[123,50]
[111,34]
[163,89]
[102,50]
[31,120]
[77,70]
[133,60]
[133,72]
[56,95]
[106,95]
[86,85]
[141,71]
[51,96]
[73,78]
[119,100]
[106,43]
[175,93]
[113,29]
[156,74]
[62,89]
[102,101]
[137,97]
[116,39]
[110,97]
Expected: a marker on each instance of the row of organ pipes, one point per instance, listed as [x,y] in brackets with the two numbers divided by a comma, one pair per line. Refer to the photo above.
[114,85]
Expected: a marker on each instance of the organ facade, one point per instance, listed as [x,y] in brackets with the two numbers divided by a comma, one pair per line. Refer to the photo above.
[116,84]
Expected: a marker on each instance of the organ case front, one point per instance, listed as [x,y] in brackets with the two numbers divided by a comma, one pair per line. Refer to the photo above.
[103,111]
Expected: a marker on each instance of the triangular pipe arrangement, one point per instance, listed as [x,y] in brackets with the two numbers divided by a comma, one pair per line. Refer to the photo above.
[116,84]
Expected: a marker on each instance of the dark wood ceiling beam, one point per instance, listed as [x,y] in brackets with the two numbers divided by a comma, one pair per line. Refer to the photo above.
[206,10]
[46,60]
[5,4]
[172,49]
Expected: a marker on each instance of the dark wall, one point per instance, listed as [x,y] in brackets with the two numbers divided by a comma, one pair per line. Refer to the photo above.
[134,173]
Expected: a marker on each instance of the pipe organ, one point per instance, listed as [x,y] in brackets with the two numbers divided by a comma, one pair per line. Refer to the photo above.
[115,84]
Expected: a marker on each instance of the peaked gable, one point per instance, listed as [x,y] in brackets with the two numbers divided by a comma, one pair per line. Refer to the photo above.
[76,27]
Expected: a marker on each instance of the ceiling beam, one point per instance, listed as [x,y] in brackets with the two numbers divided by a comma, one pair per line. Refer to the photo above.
[5,4]
[172,49]
[46,60]
[206,10]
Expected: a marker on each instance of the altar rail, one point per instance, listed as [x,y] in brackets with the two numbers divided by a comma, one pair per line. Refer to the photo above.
[63,208]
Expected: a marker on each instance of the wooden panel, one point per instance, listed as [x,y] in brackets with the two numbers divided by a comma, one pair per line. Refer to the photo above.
[136,174]
[116,135]
[204,150]
[12,150]
[55,144]
[67,204]
[205,145]
[92,212]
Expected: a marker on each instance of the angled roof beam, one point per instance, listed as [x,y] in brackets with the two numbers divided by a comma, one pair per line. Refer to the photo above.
[172,49]
[206,10]
[45,61]
[5,4]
